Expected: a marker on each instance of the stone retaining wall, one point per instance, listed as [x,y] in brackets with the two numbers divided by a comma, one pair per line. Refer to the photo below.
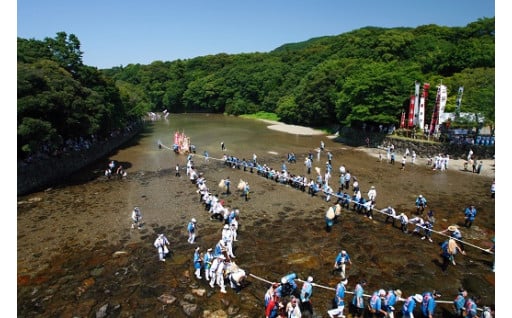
[43,173]
[426,149]
[423,148]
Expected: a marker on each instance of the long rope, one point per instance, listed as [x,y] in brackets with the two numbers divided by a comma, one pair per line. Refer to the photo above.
[346,291]
[350,201]
[260,169]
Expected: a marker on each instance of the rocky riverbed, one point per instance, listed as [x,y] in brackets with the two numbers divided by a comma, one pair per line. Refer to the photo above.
[78,256]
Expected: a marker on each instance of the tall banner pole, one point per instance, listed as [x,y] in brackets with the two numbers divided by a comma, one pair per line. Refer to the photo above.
[459,101]
[416,102]
[423,101]
[435,114]
[410,121]
[442,104]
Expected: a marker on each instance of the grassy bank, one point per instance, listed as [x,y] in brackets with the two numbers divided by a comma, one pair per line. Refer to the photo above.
[262,115]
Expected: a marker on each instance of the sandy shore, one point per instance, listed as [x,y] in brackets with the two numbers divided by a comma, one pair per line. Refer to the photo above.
[488,169]
[292,129]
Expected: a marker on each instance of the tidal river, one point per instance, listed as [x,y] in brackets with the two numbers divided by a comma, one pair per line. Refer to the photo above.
[79,257]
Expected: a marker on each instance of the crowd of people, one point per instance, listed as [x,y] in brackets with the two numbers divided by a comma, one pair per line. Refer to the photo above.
[284,298]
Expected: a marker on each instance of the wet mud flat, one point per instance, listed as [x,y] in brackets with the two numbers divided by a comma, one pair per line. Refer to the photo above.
[78,256]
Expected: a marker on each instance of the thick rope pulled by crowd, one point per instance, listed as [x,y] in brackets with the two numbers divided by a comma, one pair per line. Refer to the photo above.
[260,170]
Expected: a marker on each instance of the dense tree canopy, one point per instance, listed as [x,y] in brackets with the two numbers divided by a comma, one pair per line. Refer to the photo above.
[365,76]
[60,99]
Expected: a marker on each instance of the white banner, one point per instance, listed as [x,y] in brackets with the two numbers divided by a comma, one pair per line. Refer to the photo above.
[421,114]
[442,102]
[416,102]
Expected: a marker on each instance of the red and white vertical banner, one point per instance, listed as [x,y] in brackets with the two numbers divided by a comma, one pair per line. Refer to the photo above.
[402,120]
[410,121]
[434,123]
[423,102]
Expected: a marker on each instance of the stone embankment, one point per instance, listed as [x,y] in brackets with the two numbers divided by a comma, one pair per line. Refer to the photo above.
[423,148]
[429,149]
[43,173]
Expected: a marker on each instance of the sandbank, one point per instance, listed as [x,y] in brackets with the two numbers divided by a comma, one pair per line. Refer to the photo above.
[488,169]
[292,129]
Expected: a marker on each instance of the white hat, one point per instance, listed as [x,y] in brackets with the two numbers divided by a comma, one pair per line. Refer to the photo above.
[283,280]
[160,235]
[343,252]
[226,226]
[452,228]
[418,298]
[382,292]
[209,250]
[372,187]
[420,196]
[193,220]
[345,281]
[398,293]
[198,248]
[310,279]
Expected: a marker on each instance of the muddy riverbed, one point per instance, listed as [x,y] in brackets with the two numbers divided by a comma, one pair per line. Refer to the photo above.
[77,255]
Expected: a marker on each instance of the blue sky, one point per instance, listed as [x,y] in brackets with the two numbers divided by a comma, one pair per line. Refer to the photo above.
[114,33]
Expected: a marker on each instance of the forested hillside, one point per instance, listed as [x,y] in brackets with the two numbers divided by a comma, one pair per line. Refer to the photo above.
[364,76]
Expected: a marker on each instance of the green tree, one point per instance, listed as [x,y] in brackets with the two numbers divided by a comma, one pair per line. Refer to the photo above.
[375,94]
[479,94]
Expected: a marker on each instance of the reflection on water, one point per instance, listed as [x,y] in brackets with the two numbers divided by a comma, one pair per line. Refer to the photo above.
[242,137]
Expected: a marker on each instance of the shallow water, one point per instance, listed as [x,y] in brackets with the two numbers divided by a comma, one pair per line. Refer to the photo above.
[73,270]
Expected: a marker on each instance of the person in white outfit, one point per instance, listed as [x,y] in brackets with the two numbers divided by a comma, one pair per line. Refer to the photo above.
[189,167]
[207,263]
[227,238]
[219,275]
[136,218]
[161,243]
[292,308]
[372,193]
[213,269]
[233,226]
